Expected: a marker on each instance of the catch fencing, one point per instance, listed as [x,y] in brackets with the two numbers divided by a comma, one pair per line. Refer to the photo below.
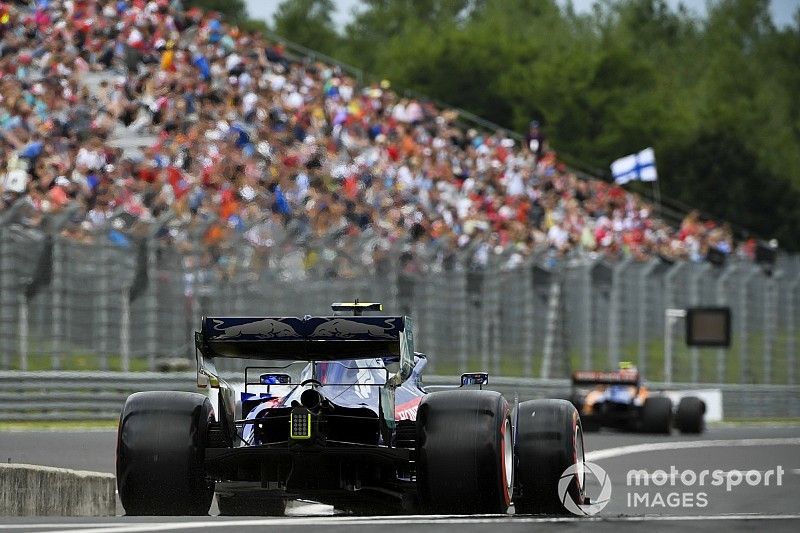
[127,295]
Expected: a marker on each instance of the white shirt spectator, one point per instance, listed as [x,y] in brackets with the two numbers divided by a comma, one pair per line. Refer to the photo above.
[249,102]
[557,236]
[90,158]
[275,81]
[232,61]
[346,92]
[399,113]
[515,186]
[414,112]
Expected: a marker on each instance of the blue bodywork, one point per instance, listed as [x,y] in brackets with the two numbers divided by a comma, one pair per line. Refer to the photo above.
[623,394]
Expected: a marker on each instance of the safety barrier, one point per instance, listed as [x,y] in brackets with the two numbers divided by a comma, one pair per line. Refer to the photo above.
[52,395]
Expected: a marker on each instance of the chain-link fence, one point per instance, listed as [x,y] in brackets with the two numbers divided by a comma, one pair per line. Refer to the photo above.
[123,300]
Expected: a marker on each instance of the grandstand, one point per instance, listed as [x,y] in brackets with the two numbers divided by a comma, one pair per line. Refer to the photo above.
[130,111]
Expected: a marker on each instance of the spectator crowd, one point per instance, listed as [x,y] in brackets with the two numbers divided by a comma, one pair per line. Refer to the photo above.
[129,115]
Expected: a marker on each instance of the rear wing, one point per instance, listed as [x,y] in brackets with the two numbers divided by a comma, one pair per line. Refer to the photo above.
[324,338]
[321,338]
[591,377]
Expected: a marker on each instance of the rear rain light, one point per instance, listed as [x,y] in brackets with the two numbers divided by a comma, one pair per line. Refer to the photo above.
[300,424]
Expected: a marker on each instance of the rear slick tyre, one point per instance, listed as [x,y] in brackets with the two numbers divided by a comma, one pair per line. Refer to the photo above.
[549,439]
[657,415]
[161,445]
[465,453]
[689,415]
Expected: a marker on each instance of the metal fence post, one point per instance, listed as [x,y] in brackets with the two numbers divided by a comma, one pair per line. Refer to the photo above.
[422,309]
[643,315]
[392,292]
[744,338]
[103,303]
[7,299]
[670,317]
[192,279]
[588,308]
[23,331]
[694,299]
[485,325]
[494,317]
[722,299]
[670,303]
[791,330]
[67,289]
[151,306]
[553,331]
[125,330]
[462,324]
[770,323]
[614,311]
[57,304]
[527,318]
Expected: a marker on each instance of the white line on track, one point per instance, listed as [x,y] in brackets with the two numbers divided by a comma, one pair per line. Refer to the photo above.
[609,453]
[34,525]
[391,520]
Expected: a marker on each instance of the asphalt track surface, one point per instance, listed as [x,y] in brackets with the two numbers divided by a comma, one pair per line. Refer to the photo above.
[681,503]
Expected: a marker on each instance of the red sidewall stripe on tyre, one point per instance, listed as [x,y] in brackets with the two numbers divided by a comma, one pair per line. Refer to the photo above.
[506,490]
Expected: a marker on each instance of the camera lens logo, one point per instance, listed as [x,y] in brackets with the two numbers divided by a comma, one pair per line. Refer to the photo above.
[579,471]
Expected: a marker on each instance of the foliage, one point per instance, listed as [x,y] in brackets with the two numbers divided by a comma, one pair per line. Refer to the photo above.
[308,22]
[253,25]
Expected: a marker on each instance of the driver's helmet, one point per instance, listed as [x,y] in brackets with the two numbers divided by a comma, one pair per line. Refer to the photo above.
[628,368]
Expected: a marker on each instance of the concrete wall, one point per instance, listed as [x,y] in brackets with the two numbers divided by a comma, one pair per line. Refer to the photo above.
[30,490]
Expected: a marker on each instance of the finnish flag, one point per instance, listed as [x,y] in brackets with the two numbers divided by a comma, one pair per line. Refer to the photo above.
[641,166]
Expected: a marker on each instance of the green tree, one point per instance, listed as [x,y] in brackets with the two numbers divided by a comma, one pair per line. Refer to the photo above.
[379,24]
[719,174]
[308,22]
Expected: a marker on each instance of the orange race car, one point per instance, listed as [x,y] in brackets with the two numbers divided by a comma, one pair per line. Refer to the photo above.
[618,400]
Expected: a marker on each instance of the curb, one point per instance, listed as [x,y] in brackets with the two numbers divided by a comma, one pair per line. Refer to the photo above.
[33,490]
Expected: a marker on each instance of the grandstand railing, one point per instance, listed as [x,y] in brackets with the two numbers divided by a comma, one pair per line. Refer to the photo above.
[299,52]
[123,301]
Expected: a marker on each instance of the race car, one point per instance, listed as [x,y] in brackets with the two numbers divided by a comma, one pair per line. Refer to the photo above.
[618,400]
[357,430]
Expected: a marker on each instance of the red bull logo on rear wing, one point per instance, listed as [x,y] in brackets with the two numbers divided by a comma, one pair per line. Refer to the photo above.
[321,338]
